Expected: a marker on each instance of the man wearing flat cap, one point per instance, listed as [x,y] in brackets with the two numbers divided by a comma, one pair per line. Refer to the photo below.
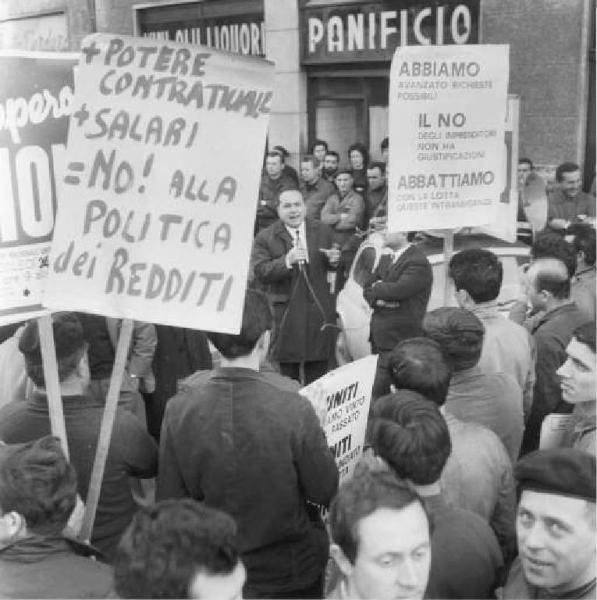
[555,526]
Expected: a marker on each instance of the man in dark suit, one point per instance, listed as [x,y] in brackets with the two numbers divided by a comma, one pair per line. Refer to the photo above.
[398,291]
[291,259]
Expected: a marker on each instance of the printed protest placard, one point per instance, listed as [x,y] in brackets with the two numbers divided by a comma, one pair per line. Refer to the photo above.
[447,116]
[556,431]
[341,399]
[36,91]
[164,155]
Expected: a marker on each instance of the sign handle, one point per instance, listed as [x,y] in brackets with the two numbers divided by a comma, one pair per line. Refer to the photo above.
[448,251]
[105,434]
[52,384]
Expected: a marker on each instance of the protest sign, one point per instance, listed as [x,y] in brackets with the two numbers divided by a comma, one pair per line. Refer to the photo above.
[36,91]
[164,156]
[556,431]
[504,225]
[447,116]
[341,399]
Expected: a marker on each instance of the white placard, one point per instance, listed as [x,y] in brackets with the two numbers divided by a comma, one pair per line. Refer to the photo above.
[342,398]
[447,118]
[156,211]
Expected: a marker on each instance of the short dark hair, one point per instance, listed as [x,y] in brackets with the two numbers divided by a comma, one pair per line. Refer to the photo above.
[567,167]
[410,434]
[551,275]
[282,151]
[385,143]
[363,494]
[528,161]
[360,148]
[459,333]
[478,272]
[585,334]
[310,158]
[274,154]
[168,543]
[583,240]
[333,153]
[69,342]
[418,364]
[377,164]
[257,318]
[38,482]
[553,245]
[344,170]
[319,143]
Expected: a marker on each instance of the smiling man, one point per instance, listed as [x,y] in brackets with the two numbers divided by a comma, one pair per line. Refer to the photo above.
[578,379]
[568,203]
[555,526]
[291,259]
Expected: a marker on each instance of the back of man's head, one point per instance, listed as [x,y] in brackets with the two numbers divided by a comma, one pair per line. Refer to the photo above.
[553,245]
[68,340]
[168,544]
[257,319]
[410,434]
[418,364]
[359,497]
[585,334]
[38,483]
[582,238]
[478,272]
[459,333]
[550,275]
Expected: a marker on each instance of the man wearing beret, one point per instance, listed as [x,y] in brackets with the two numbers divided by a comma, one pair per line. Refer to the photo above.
[555,526]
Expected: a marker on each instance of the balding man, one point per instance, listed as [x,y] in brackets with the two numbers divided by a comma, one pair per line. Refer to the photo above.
[547,288]
[291,259]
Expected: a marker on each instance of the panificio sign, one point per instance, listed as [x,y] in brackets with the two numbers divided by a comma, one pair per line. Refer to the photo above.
[447,120]
[155,219]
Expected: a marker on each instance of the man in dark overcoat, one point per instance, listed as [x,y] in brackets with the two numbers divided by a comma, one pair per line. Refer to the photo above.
[291,260]
[398,292]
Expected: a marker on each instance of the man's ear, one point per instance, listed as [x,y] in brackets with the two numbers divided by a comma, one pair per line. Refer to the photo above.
[340,559]
[15,525]
[263,343]
[83,365]
[463,298]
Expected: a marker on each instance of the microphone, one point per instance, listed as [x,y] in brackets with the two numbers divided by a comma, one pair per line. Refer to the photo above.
[301,262]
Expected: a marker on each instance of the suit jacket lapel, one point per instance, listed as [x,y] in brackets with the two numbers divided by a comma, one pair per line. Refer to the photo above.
[281,232]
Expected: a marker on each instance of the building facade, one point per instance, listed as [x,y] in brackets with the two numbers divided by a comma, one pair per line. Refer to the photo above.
[332,57]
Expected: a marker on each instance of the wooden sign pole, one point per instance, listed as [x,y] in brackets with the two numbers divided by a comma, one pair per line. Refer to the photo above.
[448,251]
[105,434]
[52,384]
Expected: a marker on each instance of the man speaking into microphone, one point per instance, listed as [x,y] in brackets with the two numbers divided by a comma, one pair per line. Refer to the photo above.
[291,259]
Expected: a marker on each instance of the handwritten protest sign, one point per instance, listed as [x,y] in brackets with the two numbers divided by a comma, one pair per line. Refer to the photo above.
[36,91]
[155,219]
[447,116]
[342,399]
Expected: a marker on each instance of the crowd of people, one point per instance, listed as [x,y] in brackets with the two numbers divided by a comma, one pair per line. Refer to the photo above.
[477,479]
